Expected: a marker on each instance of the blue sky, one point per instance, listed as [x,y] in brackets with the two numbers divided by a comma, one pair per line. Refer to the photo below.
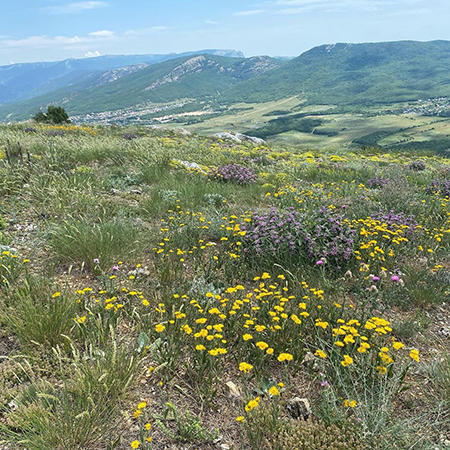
[48,30]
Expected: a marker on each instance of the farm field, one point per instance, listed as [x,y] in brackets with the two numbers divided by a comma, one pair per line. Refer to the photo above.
[344,127]
[163,291]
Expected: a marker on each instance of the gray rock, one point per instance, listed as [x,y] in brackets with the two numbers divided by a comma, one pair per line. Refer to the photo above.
[143,272]
[190,165]
[299,408]
[239,138]
[228,136]
[184,132]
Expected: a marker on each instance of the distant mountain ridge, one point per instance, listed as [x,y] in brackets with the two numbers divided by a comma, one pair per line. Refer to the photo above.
[337,74]
[198,77]
[28,80]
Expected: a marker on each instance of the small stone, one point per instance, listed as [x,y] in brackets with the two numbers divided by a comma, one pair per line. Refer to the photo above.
[233,390]
[139,272]
[299,408]
[308,358]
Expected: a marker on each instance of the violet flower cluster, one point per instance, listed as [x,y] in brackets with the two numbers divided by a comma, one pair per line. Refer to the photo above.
[129,136]
[395,221]
[377,182]
[234,173]
[285,236]
[330,239]
[274,232]
[417,166]
[439,187]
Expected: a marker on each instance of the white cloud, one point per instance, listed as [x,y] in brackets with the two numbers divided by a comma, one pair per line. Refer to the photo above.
[211,22]
[102,33]
[144,31]
[252,12]
[92,54]
[75,8]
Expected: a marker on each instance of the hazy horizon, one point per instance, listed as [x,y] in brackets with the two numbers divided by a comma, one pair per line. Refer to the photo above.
[54,30]
[201,49]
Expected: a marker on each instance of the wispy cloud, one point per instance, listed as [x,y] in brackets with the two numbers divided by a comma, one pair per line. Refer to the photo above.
[252,12]
[302,6]
[75,8]
[144,31]
[102,33]
[211,22]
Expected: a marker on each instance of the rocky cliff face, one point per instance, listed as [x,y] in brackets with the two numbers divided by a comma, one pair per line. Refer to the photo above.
[190,66]
[115,74]
[241,69]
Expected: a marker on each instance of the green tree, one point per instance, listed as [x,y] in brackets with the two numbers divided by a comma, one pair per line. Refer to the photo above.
[55,115]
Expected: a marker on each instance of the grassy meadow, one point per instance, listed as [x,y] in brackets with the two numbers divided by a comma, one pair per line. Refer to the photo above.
[163,291]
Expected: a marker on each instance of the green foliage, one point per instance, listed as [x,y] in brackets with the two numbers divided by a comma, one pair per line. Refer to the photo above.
[37,316]
[284,124]
[55,115]
[314,435]
[81,412]
[82,241]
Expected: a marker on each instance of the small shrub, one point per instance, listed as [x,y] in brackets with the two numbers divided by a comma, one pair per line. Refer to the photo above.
[377,182]
[55,133]
[234,173]
[216,200]
[330,239]
[276,233]
[314,435]
[417,166]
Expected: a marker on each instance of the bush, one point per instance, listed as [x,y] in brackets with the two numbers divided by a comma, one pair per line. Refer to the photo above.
[234,173]
[276,233]
[287,236]
[312,435]
[330,239]
[417,166]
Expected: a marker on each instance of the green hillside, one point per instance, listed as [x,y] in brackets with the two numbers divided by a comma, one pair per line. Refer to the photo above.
[356,74]
[199,77]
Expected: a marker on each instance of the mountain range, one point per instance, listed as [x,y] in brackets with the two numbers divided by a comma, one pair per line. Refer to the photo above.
[339,74]
[21,81]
